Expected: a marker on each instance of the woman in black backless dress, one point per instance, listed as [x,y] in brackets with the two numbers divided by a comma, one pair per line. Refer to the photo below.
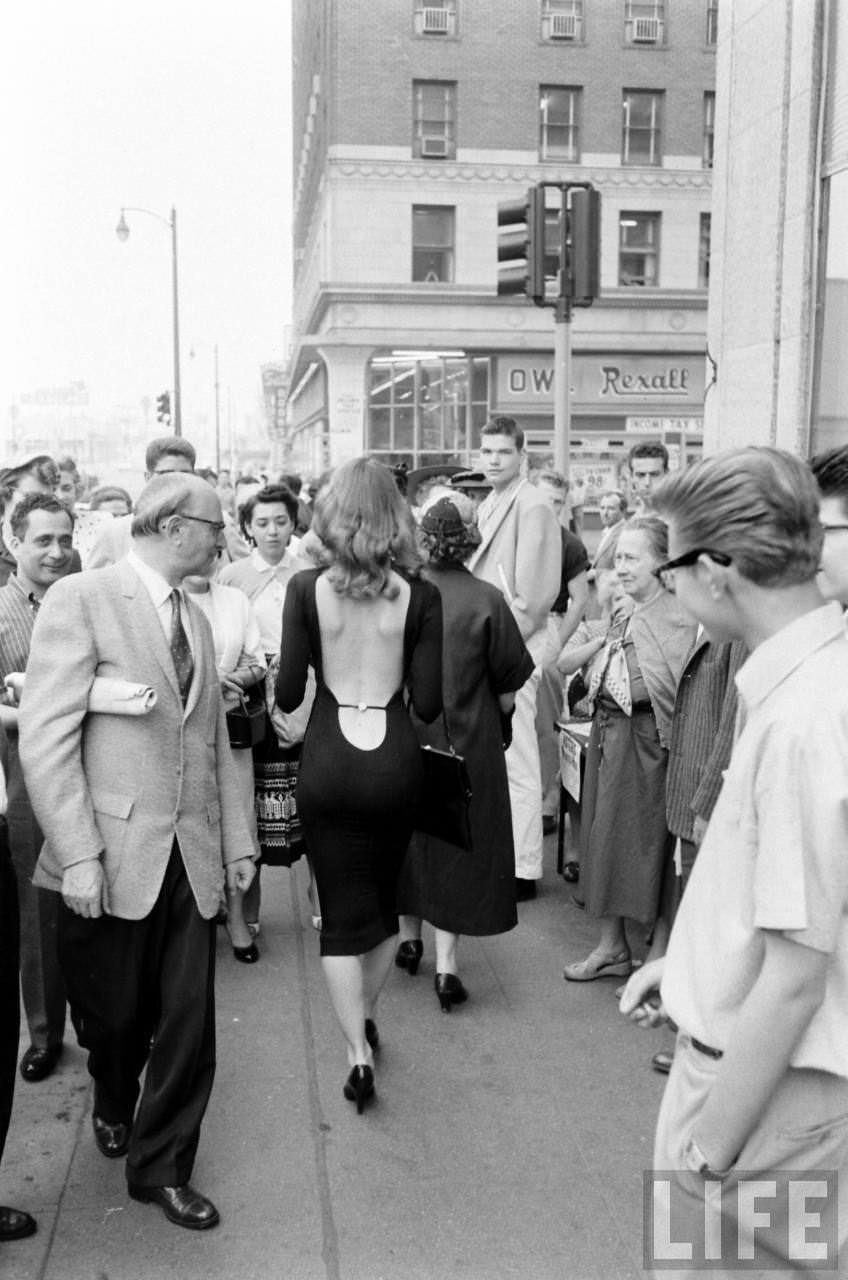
[372,636]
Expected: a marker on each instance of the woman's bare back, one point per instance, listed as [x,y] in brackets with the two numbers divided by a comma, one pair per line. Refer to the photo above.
[362,657]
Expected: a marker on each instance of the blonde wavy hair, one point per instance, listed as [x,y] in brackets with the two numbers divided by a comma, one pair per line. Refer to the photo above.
[365,530]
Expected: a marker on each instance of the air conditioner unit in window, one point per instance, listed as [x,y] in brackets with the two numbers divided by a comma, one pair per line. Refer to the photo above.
[563,26]
[436,20]
[434,146]
[646,30]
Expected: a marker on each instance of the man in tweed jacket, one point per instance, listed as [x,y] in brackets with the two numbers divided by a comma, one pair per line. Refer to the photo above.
[141,817]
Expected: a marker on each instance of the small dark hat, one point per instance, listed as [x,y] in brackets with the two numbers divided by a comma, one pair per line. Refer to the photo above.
[442,518]
[470,480]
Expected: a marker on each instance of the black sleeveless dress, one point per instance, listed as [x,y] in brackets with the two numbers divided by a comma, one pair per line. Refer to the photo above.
[357,806]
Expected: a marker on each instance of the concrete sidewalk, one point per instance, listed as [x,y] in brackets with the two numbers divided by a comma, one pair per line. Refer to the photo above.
[508,1139]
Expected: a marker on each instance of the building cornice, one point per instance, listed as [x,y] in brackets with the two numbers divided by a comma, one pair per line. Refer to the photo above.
[429,295]
[612,178]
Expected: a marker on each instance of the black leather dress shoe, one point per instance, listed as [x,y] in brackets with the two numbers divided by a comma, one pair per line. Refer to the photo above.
[525,890]
[571,872]
[15,1224]
[112,1139]
[182,1205]
[38,1064]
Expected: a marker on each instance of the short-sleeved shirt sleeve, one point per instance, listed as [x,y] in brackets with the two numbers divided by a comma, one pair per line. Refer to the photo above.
[575,560]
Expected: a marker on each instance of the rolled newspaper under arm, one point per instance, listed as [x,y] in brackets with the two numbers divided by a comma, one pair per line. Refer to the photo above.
[120,697]
[107,695]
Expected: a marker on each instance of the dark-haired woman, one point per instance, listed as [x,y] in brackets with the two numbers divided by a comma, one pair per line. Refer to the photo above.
[484,662]
[267,521]
[626,847]
[371,629]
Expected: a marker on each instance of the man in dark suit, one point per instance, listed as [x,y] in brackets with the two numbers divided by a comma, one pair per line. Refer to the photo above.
[15,1224]
[142,817]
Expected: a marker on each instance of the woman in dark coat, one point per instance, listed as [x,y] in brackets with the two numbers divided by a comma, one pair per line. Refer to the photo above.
[484,661]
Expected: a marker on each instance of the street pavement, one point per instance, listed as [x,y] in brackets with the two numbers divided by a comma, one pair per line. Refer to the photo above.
[508,1139]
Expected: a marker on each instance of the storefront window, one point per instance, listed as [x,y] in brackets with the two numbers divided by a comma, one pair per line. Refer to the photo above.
[425,409]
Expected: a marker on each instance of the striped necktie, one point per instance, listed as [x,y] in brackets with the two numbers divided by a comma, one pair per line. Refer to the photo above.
[180,648]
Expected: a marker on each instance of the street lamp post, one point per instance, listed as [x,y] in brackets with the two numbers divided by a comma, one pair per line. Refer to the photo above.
[123,232]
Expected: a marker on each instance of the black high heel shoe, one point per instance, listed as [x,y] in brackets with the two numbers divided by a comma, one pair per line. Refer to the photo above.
[450,991]
[247,955]
[359,1087]
[372,1036]
[408,956]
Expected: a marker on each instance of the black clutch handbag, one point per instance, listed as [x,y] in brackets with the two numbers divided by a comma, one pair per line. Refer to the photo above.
[246,723]
[445,796]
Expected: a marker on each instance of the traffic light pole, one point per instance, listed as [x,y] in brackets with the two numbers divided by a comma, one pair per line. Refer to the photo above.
[562,384]
[523,253]
[122,231]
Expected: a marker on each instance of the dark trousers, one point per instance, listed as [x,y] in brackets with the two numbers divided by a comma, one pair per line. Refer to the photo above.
[142,992]
[41,978]
[10,1001]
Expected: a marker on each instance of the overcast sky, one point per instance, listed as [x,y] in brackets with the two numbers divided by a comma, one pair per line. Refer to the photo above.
[106,103]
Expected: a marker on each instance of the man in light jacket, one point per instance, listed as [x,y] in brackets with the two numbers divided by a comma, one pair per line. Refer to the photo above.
[521,554]
[142,817]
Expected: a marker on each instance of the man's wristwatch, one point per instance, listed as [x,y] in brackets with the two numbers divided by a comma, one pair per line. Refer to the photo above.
[697,1162]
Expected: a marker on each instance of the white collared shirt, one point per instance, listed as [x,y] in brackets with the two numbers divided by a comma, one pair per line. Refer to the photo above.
[774,855]
[159,591]
[268,601]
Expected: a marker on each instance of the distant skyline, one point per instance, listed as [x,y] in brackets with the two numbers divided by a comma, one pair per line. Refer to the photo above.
[104,105]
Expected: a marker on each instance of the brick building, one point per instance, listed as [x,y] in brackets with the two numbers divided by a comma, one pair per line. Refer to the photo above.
[411,123]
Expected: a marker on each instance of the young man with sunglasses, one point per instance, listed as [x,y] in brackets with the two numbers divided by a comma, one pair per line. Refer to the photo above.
[756,973]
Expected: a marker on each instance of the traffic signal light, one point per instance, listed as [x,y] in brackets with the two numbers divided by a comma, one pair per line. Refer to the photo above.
[521,245]
[163,407]
[585,246]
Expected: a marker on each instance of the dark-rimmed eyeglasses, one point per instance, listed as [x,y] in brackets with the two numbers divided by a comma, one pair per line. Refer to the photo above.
[831,528]
[218,525]
[690,558]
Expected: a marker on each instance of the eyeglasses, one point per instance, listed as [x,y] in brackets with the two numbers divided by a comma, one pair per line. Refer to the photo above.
[218,525]
[690,558]
[831,528]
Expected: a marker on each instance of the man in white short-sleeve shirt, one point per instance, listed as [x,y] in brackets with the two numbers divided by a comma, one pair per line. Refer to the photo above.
[756,974]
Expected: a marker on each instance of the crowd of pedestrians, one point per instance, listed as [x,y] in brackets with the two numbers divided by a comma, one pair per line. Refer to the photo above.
[225,675]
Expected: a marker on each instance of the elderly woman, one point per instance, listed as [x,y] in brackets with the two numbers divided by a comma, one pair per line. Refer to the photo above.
[484,661]
[627,848]
[372,631]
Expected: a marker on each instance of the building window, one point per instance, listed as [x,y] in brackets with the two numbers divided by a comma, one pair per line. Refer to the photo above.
[433,119]
[641,138]
[427,409]
[562,19]
[712,23]
[558,124]
[436,19]
[644,22]
[432,243]
[639,248]
[704,252]
[709,129]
